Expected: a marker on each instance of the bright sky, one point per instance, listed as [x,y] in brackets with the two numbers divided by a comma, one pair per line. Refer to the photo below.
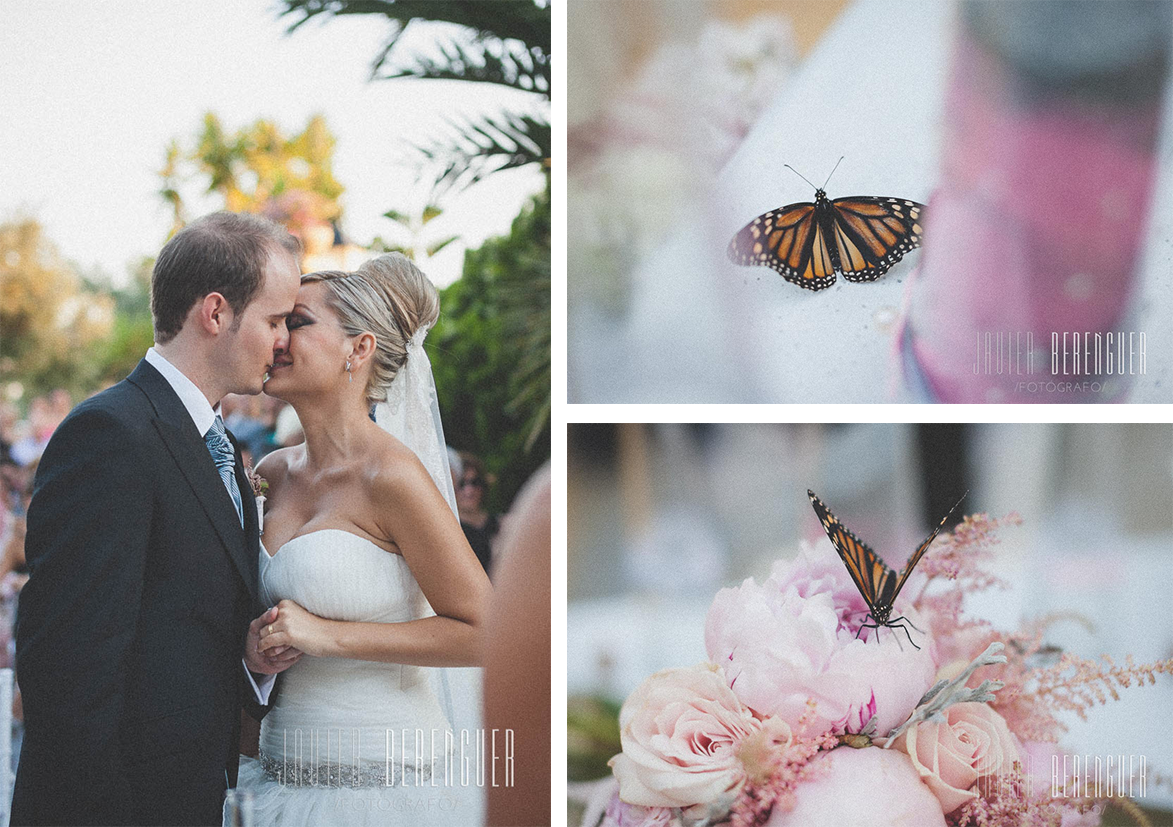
[91,93]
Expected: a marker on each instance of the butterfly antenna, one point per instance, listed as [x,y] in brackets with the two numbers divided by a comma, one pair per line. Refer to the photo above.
[837,163]
[803,177]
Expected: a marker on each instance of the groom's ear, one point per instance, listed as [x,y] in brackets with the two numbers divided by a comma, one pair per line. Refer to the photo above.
[213,314]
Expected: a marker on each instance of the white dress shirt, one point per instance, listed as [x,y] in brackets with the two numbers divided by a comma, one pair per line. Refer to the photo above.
[203,415]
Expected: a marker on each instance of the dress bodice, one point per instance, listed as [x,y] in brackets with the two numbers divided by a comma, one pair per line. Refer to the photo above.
[354,708]
[339,575]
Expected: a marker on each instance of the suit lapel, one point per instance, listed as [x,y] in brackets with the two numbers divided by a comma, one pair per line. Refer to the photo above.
[190,453]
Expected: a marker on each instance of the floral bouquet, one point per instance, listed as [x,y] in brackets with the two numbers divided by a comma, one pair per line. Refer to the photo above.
[802,717]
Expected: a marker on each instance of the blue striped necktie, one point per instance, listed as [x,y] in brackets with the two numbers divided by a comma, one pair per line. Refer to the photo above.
[224,457]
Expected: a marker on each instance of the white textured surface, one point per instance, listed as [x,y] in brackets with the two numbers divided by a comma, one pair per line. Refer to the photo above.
[870,92]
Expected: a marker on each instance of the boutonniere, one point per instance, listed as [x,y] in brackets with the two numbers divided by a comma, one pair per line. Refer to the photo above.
[260,487]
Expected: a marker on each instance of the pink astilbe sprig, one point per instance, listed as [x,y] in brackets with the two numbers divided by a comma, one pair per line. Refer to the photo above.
[959,564]
[1042,681]
[1027,715]
[774,774]
[962,557]
[1026,652]
[1007,803]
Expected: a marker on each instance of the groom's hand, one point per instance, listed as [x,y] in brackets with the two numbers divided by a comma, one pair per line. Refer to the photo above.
[272,661]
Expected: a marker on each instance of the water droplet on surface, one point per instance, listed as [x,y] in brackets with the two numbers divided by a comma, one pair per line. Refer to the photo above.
[885,317]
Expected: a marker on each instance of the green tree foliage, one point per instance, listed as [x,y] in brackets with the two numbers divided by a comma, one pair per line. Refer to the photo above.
[50,321]
[255,169]
[132,332]
[491,352]
[502,42]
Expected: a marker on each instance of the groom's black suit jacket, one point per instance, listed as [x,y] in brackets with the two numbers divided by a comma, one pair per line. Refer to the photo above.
[131,627]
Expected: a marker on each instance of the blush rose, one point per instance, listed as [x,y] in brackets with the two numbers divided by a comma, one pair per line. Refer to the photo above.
[681,732]
[951,756]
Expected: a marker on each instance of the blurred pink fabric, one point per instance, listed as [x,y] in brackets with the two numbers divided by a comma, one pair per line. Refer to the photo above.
[1036,227]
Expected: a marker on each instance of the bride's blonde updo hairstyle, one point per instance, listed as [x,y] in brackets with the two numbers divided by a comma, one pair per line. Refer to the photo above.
[387,296]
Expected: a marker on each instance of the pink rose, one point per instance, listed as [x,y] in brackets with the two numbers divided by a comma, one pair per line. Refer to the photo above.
[681,730]
[620,814]
[972,743]
[869,786]
[793,638]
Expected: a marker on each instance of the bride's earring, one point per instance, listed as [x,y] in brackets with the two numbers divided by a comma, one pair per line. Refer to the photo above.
[349,375]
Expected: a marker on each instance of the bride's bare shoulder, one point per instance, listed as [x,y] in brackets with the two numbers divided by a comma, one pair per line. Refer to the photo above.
[394,469]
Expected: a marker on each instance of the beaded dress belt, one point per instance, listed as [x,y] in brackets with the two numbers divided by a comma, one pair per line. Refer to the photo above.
[296,773]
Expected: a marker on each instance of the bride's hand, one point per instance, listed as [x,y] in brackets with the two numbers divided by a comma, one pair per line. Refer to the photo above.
[295,627]
[273,661]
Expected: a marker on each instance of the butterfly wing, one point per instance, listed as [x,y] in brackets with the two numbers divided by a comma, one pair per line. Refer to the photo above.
[873,233]
[870,574]
[788,240]
[922,548]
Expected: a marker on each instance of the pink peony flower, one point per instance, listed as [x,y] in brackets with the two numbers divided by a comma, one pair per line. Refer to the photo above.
[793,638]
[621,814]
[869,786]
[681,731]
[972,743]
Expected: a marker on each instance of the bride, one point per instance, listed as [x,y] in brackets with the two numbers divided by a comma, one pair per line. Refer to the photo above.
[368,566]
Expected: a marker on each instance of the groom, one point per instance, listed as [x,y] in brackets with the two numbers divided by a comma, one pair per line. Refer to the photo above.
[142,549]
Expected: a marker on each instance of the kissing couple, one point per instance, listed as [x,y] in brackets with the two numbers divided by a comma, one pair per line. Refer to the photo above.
[154,610]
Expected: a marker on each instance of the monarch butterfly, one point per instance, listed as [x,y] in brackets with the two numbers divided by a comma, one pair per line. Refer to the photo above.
[860,236]
[877,583]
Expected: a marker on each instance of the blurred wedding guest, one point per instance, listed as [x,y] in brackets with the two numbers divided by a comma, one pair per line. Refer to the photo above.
[42,421]
[12,546]
[14,500]
[10,475]
[60,404]
[252,420]
[480,527]
[8,419]
[15,493]
[517,660]
[17,489]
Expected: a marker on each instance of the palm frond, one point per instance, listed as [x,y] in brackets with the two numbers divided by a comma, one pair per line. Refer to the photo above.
[476,149]
[505,63]
[440,245]
[522,20]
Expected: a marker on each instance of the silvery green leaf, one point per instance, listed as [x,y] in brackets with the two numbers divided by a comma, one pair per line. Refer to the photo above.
[946,693]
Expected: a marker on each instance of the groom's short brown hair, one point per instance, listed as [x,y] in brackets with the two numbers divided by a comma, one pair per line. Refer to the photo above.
[223,253]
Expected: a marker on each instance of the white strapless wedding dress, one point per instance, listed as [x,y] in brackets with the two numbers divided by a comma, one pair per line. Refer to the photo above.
[349,742]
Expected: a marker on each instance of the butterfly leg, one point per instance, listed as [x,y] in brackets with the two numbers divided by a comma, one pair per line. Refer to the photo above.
[863,626]
[897,625]
[910,623]
[896,637]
